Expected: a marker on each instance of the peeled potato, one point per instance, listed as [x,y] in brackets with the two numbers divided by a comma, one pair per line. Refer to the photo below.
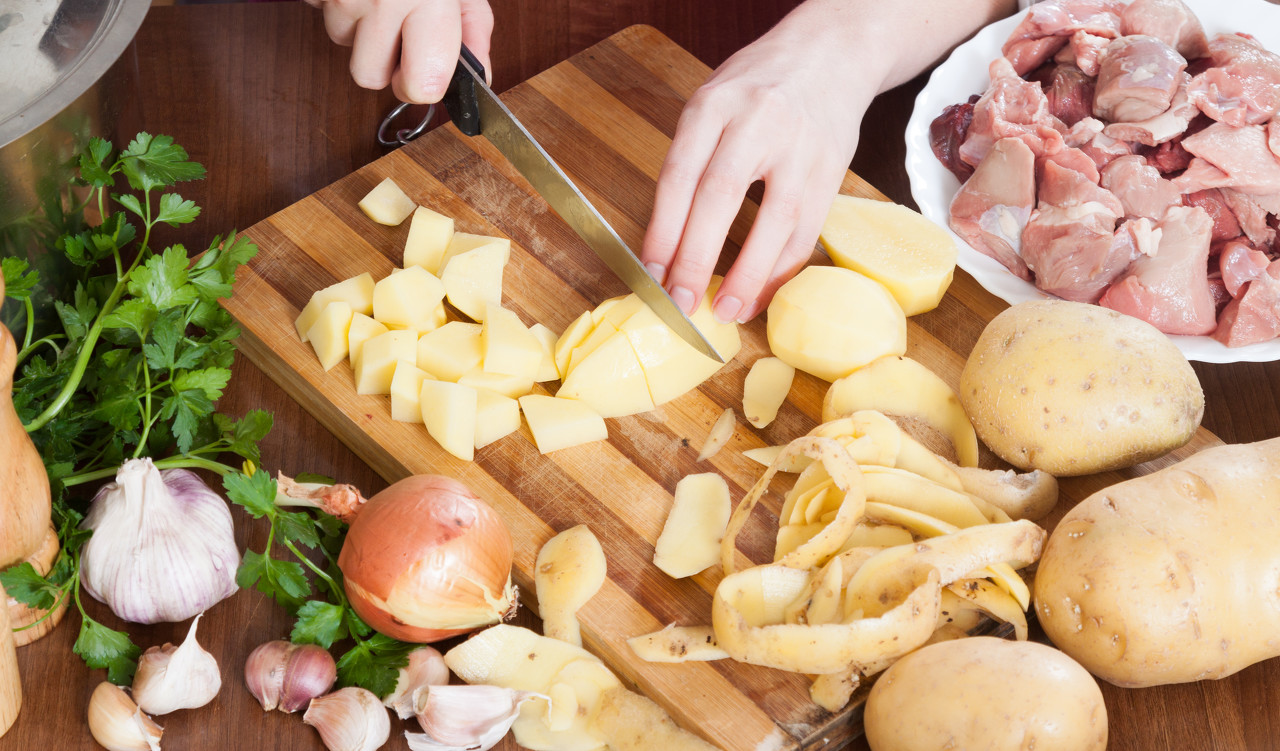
[910,255]
[830,321]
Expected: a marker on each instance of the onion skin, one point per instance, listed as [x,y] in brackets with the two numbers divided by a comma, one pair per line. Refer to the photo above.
[426,559]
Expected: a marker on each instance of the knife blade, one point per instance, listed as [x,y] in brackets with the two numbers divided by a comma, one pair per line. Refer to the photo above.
[476,110]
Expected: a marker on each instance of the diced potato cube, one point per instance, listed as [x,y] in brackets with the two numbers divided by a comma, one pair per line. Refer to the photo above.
[599,335]
[547,340]
[449,412]
[610,379]
[509,348]
[765,389]
[497,416]
[451,351]
[690,539]
[328,335]
[429,235]
[461,242]
[406,390]
[561,423]
[513,386]
[356,292]
[578,331]
[473,279]
[387,204]
[378,358]
[407,298]
[363,328]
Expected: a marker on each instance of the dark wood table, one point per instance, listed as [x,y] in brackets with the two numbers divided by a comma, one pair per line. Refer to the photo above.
[258,94]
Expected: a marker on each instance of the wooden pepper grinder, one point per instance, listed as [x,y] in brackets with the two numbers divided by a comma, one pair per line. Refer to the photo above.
[25,530]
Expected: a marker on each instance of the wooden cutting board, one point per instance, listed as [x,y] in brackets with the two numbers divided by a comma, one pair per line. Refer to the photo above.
[607,116]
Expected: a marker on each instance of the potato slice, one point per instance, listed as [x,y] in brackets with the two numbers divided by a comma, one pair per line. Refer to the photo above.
[387,204]
[603,332]
[690,539]
[911,256]
[561,423]
[451,351]
[577,332]
[671,365]
[429,236]
[407,298]
[766,388]
[356,292]
[719,435]
[497,416]
[328,335]
[508,347]
[900,386]
[830,321]
[406,391]
[473,279]
[569,570]
[378,358]
[610,379]
[449,412]
[678,644]
[362,329]
[547,340]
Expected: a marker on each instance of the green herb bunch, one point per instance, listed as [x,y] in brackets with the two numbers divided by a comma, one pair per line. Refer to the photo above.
[130,363]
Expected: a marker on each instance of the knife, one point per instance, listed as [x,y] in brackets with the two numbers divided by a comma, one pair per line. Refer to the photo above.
[476,110]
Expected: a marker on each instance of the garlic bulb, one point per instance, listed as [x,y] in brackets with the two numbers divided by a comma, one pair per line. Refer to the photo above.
[349,719]
[117,724]
[464,718]
[286,676]
[163,548]
[426,668]
[171,678]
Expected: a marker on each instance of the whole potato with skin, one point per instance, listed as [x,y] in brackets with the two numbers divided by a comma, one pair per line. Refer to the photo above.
[1172,577]
[986,694]
[1073,389]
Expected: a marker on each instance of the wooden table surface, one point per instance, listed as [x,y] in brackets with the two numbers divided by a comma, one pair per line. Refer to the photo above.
[258,94]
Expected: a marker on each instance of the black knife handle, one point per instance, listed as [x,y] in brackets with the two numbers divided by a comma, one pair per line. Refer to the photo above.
[460,98]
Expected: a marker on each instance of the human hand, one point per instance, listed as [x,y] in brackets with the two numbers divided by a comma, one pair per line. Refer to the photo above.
[786,110]
[410,44]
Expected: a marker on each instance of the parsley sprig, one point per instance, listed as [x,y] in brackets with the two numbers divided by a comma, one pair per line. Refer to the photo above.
[322,616]
[131,359]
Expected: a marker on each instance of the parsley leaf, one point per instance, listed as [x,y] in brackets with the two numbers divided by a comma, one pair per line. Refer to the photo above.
[102,647]
[19,278]
[156,161]
[256,492]
[163,280]
[174,210]
[24,584]
[319,623]
[283,581]
[374,664]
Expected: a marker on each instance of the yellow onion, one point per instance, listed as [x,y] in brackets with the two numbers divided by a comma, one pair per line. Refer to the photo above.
[426,559]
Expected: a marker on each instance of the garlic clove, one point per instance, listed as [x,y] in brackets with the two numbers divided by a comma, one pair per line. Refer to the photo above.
[426,668]
[349,719]
[468,717]
[286,676]
[171,678]
[117,724]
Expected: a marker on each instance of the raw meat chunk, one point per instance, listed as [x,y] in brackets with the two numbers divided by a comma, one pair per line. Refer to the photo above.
[1083,52]
[1243,86]
[1046,27]
[1088,136]
[1168,20]
[1254,316]
[1011,107]
[1140,188]
[947,132]
[1225,226]
[1231,157]
[1252,217]
[1239,264]
[1069,92]
[1137,79]
[1163,127]
[991,209]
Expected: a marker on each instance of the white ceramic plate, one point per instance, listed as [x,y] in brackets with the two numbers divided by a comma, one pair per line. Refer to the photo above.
[965,73]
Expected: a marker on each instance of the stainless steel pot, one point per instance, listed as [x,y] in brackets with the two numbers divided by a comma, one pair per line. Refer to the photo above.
[63,79]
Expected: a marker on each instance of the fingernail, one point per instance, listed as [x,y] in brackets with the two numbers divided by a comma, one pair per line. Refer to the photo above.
[725,309]
[683,299]
[656,270]
[750,312]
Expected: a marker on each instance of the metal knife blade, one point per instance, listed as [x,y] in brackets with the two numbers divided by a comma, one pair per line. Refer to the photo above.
[470,100]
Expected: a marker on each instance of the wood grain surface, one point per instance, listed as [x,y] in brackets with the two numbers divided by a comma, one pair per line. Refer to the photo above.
[260,96]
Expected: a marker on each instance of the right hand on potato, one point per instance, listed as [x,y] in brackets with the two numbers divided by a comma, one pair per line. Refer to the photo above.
[786,110]
[412,45]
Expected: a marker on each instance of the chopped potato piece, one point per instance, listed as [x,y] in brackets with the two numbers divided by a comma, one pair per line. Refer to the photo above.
[473,279]
[429,236]
[610,379]
[765,389]
[690,539]
[451,351]
[387,204]
[378,359]
[508,347]
[356,292]
[328,335]
[497,416]
[671,365]
[569,570]
[560,423]
[406,391]
[407,298]
[569,340]
[461,242]
[603,331]
[547,340]
[449,412]
[910,255]
[720,434]
[363,328]
[511,386]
